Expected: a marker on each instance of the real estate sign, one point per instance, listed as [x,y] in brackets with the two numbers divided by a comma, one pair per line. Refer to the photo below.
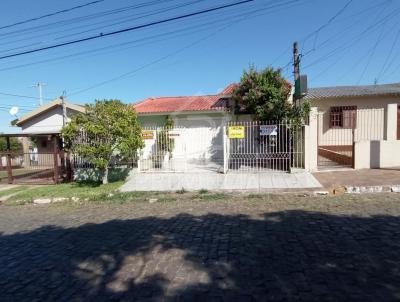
[268,130]
[236,132]
[148,134]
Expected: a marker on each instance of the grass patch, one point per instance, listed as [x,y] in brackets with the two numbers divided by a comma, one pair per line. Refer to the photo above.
[12,191]
[203,191]
[210,196]
[69,190]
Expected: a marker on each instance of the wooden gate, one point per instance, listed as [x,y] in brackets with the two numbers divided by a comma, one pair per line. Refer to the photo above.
[35,167]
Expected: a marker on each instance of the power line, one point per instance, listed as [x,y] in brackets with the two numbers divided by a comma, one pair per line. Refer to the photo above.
[385,66]
[101,35]
[177,51]
[22,96]
[120,21]
[316,32]
[152,39]
[52,14]
[354,39]
[75,20]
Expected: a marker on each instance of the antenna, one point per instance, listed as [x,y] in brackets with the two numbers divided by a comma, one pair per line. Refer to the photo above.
[40,87]
[13,111]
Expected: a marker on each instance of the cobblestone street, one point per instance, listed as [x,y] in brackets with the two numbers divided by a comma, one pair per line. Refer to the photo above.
[242,248]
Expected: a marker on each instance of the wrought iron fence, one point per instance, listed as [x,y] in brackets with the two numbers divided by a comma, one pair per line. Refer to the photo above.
[255,146]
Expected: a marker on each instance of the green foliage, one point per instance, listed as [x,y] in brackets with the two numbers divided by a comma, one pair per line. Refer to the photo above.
[15,144]
[265,94]
[165,143]
[109,128]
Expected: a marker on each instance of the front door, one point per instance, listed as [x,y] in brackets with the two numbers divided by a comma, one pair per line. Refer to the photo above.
[398,122]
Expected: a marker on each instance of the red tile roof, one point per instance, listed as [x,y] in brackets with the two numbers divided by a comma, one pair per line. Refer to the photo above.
[181,103]
[184,103]
[229,89]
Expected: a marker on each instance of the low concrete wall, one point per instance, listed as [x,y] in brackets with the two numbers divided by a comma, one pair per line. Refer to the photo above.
[94,175]
[377,154]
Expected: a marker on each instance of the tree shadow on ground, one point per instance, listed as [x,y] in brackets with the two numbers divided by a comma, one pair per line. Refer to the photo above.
[290,255]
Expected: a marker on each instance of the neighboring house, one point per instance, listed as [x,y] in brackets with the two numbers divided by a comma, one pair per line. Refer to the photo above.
[357,126]
[38,127]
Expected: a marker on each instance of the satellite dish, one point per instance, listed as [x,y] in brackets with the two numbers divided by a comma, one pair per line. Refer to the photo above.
[14,110]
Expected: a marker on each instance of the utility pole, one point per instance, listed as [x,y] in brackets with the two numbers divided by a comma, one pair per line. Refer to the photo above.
[64,108]
[40,87]
[296,65]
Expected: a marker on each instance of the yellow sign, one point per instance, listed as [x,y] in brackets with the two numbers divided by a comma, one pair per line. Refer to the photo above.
[148,134]
[236,132]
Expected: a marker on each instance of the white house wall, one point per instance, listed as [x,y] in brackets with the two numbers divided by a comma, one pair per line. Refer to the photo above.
[198,137]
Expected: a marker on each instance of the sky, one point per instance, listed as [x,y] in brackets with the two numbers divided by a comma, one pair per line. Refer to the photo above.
[341,42]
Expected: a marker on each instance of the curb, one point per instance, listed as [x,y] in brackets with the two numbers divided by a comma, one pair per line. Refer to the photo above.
[372,189]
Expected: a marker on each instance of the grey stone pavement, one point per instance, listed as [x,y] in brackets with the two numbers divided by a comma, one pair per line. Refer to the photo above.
[218,181]
[242,248]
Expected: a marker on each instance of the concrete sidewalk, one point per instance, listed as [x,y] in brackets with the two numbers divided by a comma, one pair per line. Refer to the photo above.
[216,181]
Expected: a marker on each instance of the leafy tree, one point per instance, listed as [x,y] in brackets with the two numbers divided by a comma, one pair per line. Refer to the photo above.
[15,144]
[265,94]
[107,129]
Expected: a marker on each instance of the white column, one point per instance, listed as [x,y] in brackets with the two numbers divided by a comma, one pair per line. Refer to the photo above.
[311,142]
[391,122]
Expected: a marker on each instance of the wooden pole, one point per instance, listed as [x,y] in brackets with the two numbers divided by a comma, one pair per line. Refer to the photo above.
[9,164]
[55,152]
[69,167]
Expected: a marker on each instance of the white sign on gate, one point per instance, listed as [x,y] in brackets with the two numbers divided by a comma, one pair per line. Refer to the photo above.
[268,130]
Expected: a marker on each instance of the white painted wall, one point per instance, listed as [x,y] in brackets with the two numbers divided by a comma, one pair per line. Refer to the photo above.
[377,154]
[371,119]
[199,137]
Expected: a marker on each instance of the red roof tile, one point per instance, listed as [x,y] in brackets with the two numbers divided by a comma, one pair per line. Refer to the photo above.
[181,103]
[185,103]
[229,89]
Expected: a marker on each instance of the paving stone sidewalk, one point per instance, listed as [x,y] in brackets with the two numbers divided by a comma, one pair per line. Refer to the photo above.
[359,178]
[244,248]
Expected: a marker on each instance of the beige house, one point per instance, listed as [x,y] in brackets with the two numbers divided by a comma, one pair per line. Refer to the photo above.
[42,125]
[355,126]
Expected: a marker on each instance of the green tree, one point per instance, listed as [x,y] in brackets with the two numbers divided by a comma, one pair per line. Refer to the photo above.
[265,94]
[108,128]
[15,144]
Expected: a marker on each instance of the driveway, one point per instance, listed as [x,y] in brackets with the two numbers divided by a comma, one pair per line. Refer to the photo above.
[241,248]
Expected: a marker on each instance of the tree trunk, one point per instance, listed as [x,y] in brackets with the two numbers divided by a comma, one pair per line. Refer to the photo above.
[105,176]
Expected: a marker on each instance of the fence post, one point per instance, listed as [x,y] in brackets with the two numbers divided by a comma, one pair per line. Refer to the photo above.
[69,167]
[55,155]
[353,163]
[139,159]
[9,164]
[225,150]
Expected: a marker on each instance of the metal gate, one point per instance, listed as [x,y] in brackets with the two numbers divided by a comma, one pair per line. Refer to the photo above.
[336,138]
[264,146]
